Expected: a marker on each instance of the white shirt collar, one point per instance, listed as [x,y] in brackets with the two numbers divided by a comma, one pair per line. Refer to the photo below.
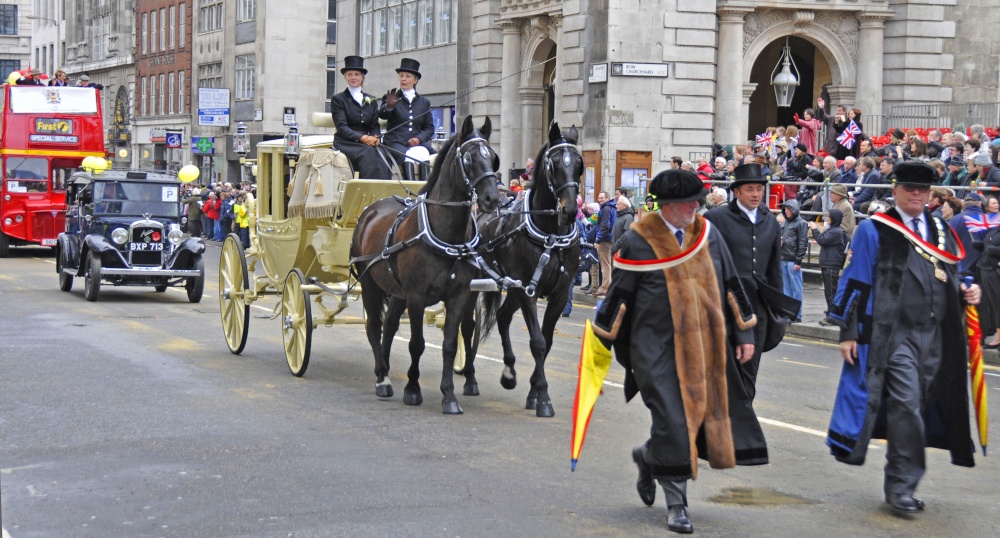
[752,213]
[409,94]
[358,94]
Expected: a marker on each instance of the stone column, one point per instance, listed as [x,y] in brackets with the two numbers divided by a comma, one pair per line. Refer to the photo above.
[729,77]
[869,89]
[510,113]
[748,89]
[532,122]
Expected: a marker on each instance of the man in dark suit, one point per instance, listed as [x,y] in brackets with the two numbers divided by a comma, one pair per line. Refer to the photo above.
[754,240]
[33,79]
[355,115]
[901,310]
[407,113]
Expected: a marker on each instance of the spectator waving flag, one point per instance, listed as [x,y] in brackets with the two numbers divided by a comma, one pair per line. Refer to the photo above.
[764,140]
[981,222]
[853,128]
[846,138]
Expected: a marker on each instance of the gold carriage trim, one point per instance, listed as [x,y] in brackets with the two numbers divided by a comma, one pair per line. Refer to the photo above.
[316,188]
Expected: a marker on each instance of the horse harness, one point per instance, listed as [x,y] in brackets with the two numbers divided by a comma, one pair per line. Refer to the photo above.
[547,242]
[458,252]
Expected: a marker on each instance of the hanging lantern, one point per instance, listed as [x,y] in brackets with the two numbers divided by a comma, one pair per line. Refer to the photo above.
[241,142]
[292,141]
[787,80]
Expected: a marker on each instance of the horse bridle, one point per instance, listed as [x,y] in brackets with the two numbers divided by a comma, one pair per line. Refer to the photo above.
[567,158]
[460,156]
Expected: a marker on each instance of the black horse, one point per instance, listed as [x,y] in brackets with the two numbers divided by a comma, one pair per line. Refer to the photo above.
[411,255]
[537,242]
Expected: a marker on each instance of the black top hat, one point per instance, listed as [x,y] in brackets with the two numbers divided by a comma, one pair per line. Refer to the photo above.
[354,63]
[747,173]
[410,66]
[915,173]
[674,186]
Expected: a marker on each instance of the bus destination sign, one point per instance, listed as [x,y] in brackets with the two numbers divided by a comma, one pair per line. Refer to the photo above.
[58,139]
[53,125]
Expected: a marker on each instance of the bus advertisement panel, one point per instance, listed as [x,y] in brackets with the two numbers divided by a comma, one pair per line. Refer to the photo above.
[45,133]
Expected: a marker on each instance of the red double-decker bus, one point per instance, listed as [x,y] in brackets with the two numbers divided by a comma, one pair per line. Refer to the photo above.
[45,133]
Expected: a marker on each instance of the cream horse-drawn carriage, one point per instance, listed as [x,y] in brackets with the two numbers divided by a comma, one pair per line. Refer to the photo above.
[300,238]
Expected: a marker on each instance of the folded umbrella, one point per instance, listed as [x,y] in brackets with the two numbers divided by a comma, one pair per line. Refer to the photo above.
[595,360]
[975,335]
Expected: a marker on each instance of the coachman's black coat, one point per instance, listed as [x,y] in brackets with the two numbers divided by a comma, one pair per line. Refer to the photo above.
[352,122]
[406,120]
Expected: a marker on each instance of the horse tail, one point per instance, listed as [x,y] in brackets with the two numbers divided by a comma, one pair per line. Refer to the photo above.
[491,307]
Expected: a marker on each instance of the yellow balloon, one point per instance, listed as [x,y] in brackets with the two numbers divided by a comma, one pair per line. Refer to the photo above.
[13,78]
[88,163]
[100,164]
[188,174]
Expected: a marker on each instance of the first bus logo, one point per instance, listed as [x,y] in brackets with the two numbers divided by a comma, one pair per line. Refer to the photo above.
[53,125]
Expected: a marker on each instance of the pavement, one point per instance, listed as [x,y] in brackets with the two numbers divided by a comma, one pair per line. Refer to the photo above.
[813,305]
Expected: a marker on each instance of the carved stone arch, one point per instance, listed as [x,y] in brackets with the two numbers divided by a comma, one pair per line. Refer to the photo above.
[536,46]
[843,69]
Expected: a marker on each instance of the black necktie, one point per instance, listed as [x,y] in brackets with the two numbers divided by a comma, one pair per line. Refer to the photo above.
[680,237]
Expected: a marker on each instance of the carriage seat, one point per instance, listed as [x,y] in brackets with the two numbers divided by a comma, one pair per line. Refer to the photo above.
[315,191]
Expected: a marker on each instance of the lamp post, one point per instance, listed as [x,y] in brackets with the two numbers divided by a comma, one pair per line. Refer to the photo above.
[786,81]
[292,148]
[58,44]
[241,146]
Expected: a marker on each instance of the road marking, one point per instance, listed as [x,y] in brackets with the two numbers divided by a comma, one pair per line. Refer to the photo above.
[800,429]
[784,359]
[808,341]
[53,262]
[793,345]
[994,375]
[4,532]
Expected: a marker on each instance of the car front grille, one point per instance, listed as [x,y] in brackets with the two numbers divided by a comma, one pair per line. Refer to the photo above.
[151,236]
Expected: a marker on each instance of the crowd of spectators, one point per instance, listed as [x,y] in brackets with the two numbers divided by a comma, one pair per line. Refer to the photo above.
[218,209]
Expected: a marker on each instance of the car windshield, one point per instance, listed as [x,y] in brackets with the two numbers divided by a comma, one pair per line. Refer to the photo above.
[122,198]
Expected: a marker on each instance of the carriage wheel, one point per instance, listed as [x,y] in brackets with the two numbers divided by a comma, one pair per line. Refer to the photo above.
[296,322]
[235,311]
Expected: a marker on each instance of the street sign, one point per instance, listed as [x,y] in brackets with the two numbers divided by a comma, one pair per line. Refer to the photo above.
[202,145]
[289,115]
[213,107]
[174,139]
[627,69]
[597,73]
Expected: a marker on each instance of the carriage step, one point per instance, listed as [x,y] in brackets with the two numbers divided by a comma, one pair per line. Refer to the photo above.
[483,285]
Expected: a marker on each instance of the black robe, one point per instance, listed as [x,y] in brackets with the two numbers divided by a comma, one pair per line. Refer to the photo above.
[756,253]
[647,334]
[352,122]
[408,120]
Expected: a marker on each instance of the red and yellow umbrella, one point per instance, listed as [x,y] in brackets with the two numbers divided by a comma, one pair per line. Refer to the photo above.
[975,334]
[595,360]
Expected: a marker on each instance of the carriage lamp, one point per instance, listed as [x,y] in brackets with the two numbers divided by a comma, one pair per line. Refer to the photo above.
[292,142]
[785,82]
[241,142]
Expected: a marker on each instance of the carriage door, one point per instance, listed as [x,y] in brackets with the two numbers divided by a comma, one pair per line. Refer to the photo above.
[591,174]
[632,167]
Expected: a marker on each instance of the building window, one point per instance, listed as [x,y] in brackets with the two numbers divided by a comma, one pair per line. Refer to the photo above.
[142,105]
[210,75]
[246,10]
[331,21]
[152,95]
[173,27]
[181,105]
[245,76]
[145,34]
[183,17]
[9,66]
[331,76]
[163,93]
[152,30]
[170,93]
[8,20]
[209,16]
[388,26]
[100,30]
[163,29]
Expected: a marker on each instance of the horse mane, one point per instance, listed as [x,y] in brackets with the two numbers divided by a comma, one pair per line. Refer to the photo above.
[439,162]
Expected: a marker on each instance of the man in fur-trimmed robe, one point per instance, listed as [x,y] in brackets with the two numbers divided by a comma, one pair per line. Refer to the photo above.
[903,341]
[679,333]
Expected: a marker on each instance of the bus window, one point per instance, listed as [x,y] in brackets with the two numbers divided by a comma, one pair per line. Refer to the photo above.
[27,174]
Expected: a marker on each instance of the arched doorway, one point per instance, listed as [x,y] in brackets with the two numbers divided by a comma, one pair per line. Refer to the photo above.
[814,75]
[537,91]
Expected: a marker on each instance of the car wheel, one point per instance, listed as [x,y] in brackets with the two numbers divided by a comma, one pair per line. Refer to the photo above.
[4,245]
[161,288]
[196,284]
[65,279]
[92,281]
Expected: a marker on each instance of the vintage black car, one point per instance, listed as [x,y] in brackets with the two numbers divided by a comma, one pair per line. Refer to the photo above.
[124,228]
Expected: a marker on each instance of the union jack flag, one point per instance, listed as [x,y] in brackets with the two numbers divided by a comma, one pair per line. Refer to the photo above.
[764,140]
[981,222]
[846,138]
[853,128]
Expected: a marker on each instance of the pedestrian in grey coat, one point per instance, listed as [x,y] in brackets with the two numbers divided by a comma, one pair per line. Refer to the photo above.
[625,217]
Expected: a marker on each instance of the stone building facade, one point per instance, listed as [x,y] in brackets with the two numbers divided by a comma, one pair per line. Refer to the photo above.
[702,68]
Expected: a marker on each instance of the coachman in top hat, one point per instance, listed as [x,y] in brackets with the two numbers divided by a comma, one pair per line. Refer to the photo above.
[408,114]
[355,114]
[903,341]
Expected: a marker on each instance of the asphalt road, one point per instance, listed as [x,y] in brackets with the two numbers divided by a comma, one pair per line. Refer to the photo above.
[129,417]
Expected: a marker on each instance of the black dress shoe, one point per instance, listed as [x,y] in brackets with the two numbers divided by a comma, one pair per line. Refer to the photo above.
[902,502]
[678,520]
[644,485]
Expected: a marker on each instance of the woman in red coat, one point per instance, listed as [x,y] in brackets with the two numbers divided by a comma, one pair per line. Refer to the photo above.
[211,210]
[809,128]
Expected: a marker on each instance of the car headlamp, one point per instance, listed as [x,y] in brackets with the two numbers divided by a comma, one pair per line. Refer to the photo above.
[119,235]
[175,236]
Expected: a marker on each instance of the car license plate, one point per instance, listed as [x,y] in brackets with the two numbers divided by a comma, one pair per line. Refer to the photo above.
[48,242]
[146,247]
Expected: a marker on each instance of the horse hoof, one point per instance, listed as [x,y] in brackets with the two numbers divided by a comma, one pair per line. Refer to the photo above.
[412,397]
[472,389]
[531,403]
[508,382]
[451,408]
[545,410]
[383,390]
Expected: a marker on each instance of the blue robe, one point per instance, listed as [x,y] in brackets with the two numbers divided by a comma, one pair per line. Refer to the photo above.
[867,307]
